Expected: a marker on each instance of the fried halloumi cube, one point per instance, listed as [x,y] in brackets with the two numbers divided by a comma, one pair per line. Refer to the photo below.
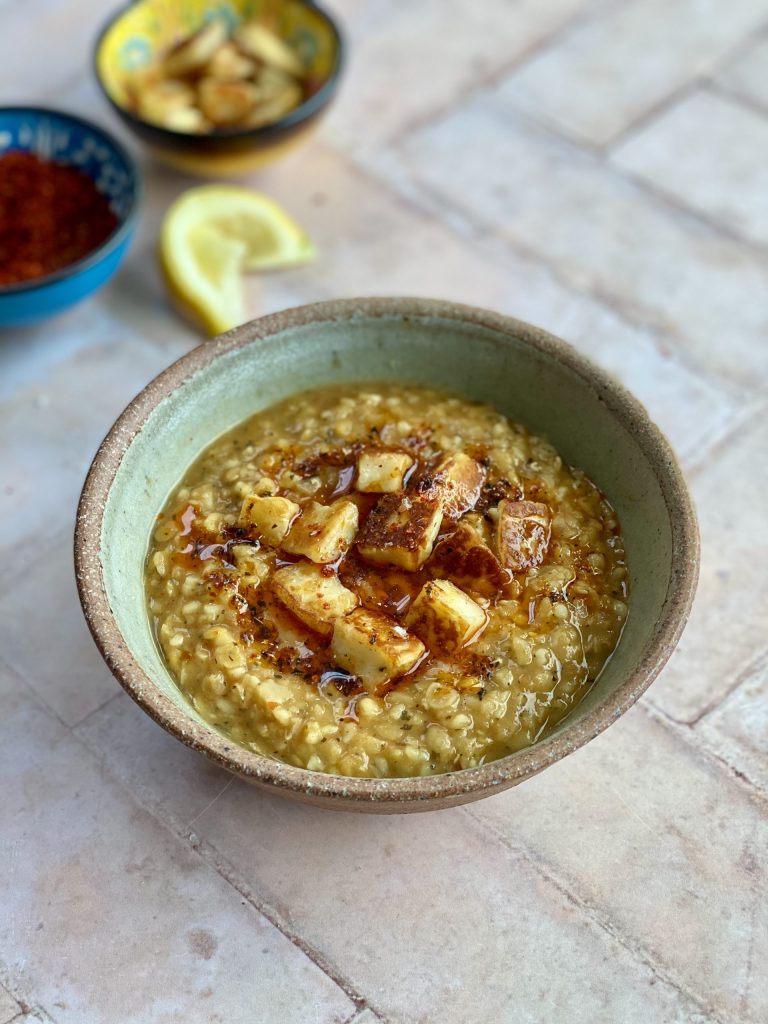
[467,560]
[523,533]
[264,46]
[161,100]
[456,482]
[272,516]
[226,102]
[196,50]
[323,533]
[401,530]
[381,472]
[374,647]
[318,600]
[444,617]
[273,103]
[228,62]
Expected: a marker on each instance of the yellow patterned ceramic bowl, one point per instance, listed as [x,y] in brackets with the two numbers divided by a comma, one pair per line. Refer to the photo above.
[137,34]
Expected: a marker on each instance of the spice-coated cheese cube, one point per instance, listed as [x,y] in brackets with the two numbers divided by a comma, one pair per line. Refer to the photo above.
[444,617]
[323,533]
[382,472]
[312,596]
[400,530]
[523,533]
[272,516]
[466,560]
[374,647]
[456,482]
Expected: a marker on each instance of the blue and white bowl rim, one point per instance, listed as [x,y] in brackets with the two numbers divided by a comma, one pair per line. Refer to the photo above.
[118,179]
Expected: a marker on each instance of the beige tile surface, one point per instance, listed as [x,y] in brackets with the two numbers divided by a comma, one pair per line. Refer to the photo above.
[725,631]
[53,426]
[410,966]
[682,879]
[466,157]
[596,80]
[371,243]
[9,1008]
[602,232]
[65,670]
[744,75]
[109,917]
[711,154]
[409,60]
[175,782]
[737,729]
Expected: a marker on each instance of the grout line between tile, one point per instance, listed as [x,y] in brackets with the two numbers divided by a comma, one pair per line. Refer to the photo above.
[653,113]
[32,692]
[602,155]
[208,852]
[586,13]
[752,667]
[680,208]
[701,80]
[667,341]
[637,951]
[25,1007]
[210,804]
[687,735]
[94,711]
[742,419]
[216,862]
[473,230]
[729,92]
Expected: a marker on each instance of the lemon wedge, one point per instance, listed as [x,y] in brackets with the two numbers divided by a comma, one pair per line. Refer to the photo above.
[211,235]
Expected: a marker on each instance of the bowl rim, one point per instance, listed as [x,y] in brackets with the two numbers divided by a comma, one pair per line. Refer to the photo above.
[434,790]
[124,226]
[305,110]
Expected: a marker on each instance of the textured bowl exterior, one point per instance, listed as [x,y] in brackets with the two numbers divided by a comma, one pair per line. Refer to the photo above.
[525,372]
[145,28]
[53,134]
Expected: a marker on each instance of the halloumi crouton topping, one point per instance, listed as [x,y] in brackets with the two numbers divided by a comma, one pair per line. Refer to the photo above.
[323,533]
[382,472]
[456,482]
[373,647]
[318,600]
[466,559]
[523,533]
[444,617]
[272,516]
[401,530]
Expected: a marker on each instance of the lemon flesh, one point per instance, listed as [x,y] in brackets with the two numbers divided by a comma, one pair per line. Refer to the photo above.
[211,235]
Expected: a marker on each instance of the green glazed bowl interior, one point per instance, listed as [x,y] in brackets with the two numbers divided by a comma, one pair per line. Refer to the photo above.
[522,371]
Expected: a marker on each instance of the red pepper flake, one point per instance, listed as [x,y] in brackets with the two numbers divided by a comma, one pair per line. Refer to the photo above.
[50,217]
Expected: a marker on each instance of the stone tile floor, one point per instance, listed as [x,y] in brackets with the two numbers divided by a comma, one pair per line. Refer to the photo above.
[598,167]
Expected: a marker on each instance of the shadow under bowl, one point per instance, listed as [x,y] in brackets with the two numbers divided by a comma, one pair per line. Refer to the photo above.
[524,372]
[140,32]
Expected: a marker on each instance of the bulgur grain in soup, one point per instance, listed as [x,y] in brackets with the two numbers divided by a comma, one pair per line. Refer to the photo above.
[385,581]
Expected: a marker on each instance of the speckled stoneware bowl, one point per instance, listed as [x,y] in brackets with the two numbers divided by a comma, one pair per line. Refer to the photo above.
[523,371]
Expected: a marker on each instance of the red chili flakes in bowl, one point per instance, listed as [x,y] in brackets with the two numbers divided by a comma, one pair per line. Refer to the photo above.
[50,217]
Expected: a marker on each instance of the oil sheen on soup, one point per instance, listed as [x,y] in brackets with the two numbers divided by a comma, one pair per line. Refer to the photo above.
[385,581]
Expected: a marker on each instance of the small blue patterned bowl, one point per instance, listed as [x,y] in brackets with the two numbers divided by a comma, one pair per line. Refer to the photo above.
[67,139]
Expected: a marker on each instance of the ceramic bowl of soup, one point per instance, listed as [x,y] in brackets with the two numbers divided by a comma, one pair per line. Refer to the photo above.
[385,554]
